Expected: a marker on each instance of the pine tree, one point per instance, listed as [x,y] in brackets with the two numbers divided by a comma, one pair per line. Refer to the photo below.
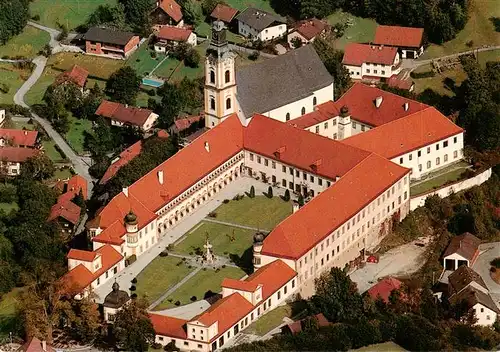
[252,192]
[270,192]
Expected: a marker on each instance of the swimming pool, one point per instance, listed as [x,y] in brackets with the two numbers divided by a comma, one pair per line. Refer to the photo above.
[152,82]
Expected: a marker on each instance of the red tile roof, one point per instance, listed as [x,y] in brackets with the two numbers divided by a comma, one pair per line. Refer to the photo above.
[169,326]
[35,345]
[147,195]
[174,33]
[384,288]
[406,134]
[224,13]
[322,112]
[66,210]
[356,54]
[78,254]
[299,148]
[239,285]
[466,245]
[78,75]
[72,189]
[172,9]
[78,278]
[399,36]
[226,311]
[272,277]
[122,113]
[22,138]
[310,28]
[16,154]
[297,234]
[186,122]
[163,134]
[125,157]
[360,100]
[397,82]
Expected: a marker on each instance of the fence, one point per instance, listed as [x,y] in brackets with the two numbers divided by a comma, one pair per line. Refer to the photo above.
[445,191]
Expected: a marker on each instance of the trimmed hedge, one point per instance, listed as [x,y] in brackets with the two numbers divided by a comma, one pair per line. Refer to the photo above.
[425,74]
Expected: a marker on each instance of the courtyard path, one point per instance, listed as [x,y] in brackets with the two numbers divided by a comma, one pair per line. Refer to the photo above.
[235,225]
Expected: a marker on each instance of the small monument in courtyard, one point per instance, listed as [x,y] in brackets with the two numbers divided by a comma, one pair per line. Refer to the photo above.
[209,256]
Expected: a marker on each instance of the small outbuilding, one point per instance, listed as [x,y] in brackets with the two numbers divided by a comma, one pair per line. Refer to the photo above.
[462,250]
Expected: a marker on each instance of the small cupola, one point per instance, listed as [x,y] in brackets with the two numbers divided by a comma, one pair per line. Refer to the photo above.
[344,111]
[131,222]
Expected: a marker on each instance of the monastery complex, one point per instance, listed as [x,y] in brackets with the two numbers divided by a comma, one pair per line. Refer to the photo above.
[352,158]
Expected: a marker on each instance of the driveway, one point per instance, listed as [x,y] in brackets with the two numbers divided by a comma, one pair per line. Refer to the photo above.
[399,261]
[488,252]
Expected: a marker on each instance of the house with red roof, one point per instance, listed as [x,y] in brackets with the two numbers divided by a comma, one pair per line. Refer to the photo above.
[67,214]
[307,30]
[18,138]
[120,115]
[224,13]
[123,159]
[183,124]
[11,158]
[408,40]
[168,37]
[371,62]
[167,12]
[77,75]
[33,344]
[383,288]
[462,250]
[110,42]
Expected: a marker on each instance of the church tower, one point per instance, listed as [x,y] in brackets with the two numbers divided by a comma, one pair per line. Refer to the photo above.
[220,80]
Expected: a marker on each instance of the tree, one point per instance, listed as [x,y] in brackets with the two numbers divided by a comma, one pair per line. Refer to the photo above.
[137,15]
[90,103]
[110,16]
[123,85]
[38,167]
[14,15]
[336,297]
[79,199]
[286,197]
[192,12]
[296,42]
[87,319]
[300,200]
[132,327]
[192,58]
[207,6]
[270,192]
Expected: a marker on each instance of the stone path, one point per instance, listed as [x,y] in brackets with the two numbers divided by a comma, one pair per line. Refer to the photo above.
[174,288]
[235,225]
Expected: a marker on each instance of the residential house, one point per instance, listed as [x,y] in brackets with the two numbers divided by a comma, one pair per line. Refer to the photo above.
[18,138]
[77,75]
[123,159]
[462,250]
[183,124]
[257,24]
[383,288]
[167,12]
[121,115]
[67,214]
[467,286]
[109,42]
[408,40]
[35,345]
[371,62]
[71,188]
[168,37]
[307,31]
[224,13]
[296,327]
[11,159]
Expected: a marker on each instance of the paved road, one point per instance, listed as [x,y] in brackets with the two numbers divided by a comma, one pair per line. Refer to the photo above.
[79,164]
[54,43]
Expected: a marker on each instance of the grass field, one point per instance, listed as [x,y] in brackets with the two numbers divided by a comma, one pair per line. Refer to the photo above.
[166,68]
[142,61]
[362,30]
[269,321]
[72,13]
[381,347]
[438,181]
[50,150]
[479,29]
[27,44]
[243,4]
[204,30]
[437,83]
[487,56]
[260,212]
[159,275]
[226,240]
[99,67]
[62,174]
[200,283]
[13,79]
[37,91]
[8,309]
[183,71]
[75,135]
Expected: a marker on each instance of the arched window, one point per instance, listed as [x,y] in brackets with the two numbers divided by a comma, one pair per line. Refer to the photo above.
[227,76]
[212,76]
[303,111]
[288,116]
[212,103]
[315,101]
[228,103]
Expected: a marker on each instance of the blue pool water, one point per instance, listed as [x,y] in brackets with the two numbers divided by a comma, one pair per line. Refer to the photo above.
[152,82]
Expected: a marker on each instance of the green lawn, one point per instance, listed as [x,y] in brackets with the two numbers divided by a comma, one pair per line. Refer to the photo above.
[27,44]
[167,67]
[204,30]
[37,91]
[269,321]
[62,174]
[243,4]
[99,67]
[439,181]
[13,79]
[8,321]
[361,31]
[143,97]
[200,283]
[183,71]
[436,83]
[142,61]
[75,135]
[8,207]
[479,29]
[260,212]
[226,240]
[50,150]
[21,125]
[72,13]
[159,276]
[484,57]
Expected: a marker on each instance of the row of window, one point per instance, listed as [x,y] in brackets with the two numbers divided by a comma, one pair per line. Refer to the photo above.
[429,163]
[227,76]
[375,71]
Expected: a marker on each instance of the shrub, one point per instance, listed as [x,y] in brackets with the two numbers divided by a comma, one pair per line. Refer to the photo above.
[300,200]
[223,266]
[217,270]
[204,269]
[193,299]
[134,280]
[170,247]
[137,60]
[170,300]
[495,263]
[151,92]
[425,74]
[177,303]
[254,56]
[132,288]
[153,54]
[252,192]
[286,197]
[212,214]
[164,253]
[226,252]
[156,346]
[225,201]
[4,88]
[269,192]
[133,296]
[208,294]
[132,259]
[192,59]
[8,193]
[191,253]
[170,347]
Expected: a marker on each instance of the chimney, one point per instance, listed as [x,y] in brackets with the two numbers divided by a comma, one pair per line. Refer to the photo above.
[125,191]
[378,101]
[44,345]
[160,177]
[207,147]
[406,106]
[25,132]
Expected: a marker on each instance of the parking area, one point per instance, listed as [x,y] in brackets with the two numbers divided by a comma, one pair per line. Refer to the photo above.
[488,252]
